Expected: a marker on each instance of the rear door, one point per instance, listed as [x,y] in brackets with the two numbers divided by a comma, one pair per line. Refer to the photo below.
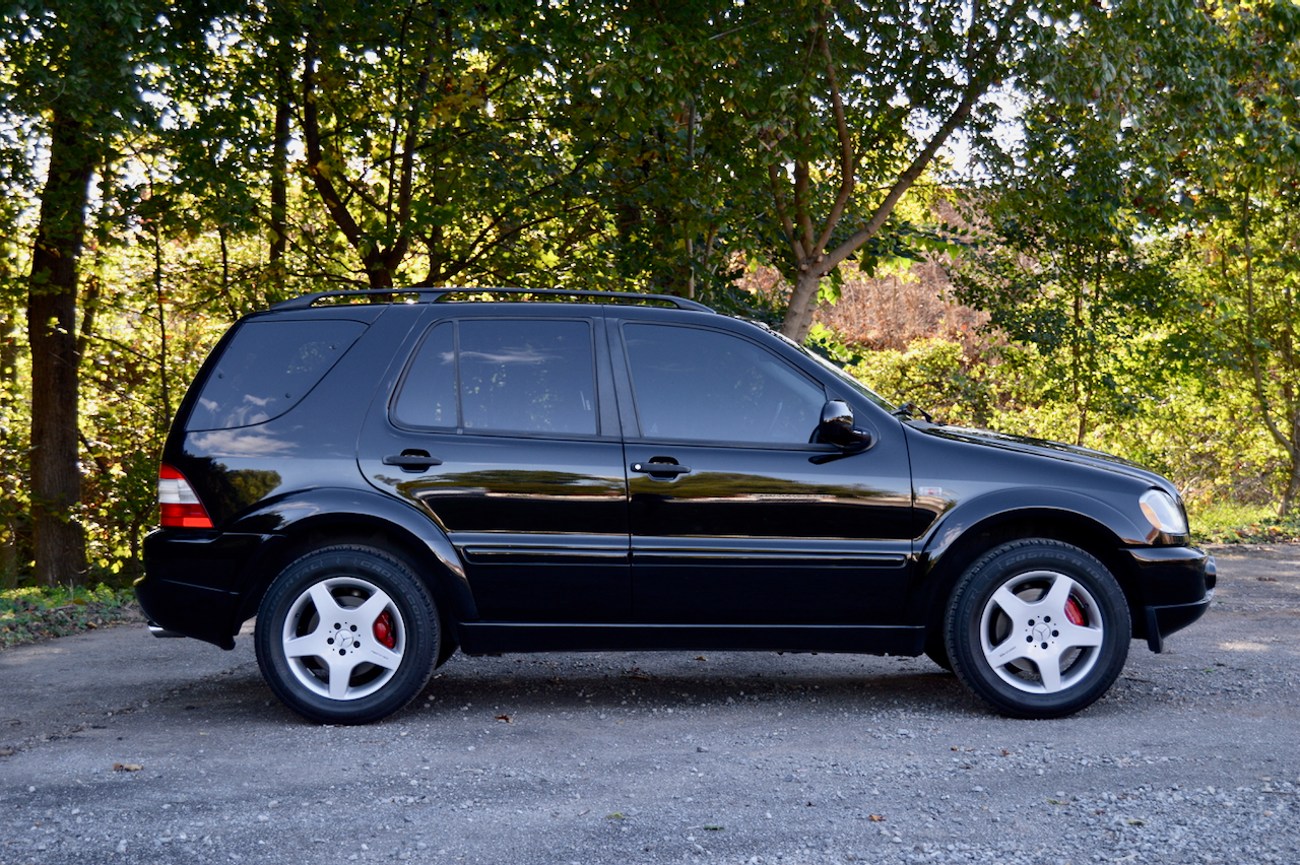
[502,428]
[735,516]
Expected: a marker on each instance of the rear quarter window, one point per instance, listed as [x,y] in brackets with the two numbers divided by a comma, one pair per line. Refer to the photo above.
[267,368]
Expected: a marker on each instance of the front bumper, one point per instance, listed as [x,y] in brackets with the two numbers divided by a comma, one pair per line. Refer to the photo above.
[1175,586]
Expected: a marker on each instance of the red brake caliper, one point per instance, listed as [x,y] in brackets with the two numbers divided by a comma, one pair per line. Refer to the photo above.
[384,630]
[1073,612]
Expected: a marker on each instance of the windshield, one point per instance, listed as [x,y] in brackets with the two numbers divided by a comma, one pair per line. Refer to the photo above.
[835,370]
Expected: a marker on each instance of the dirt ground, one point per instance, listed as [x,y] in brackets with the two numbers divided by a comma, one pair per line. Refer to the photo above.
[117,747]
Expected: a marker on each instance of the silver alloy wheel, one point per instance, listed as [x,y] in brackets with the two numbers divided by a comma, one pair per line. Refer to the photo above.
[1041,632]
[343,638]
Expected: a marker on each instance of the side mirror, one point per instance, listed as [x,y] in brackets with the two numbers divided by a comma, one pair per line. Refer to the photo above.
[836,428]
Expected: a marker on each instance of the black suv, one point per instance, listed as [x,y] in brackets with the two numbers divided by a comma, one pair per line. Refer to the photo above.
[381,478]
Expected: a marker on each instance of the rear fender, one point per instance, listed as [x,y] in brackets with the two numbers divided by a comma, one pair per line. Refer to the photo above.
[293,523]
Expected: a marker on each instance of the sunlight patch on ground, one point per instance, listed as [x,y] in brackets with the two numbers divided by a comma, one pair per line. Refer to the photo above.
[1244,646]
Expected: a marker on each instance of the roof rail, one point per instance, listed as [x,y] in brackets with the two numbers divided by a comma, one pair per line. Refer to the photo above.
[436,295]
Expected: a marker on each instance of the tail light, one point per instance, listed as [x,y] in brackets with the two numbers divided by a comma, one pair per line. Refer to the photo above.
[178,503]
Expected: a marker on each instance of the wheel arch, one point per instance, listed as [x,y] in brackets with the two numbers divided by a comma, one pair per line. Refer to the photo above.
[325,518]
[951,547]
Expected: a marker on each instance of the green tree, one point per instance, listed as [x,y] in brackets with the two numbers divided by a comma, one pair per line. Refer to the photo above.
[1246,176]
[1080,264]
[71,66]
[850,107]
[790,133]
[430,139]
[1064,272]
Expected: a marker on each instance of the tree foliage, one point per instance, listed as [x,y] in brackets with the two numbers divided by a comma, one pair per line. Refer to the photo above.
[1247,185]
[1146,226]
[166,168]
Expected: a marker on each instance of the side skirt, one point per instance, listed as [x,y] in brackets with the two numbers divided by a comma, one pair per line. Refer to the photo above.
[488,638]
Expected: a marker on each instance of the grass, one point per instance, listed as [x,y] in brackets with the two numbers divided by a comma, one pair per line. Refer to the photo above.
[1236,523]
[36,613]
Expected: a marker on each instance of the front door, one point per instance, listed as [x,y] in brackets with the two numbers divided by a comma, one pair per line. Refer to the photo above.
[735,516]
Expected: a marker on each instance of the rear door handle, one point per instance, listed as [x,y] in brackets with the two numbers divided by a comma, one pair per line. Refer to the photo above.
[412,460]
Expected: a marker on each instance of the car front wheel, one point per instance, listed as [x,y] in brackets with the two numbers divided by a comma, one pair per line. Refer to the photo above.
[347,635]
[1038,628]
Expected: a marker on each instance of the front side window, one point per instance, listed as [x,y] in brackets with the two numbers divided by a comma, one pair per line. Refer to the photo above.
[502,375]
[706,385]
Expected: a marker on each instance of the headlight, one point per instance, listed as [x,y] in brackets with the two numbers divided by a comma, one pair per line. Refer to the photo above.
[1163,512]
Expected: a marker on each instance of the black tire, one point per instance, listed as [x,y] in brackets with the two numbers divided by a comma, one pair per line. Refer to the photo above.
[1038,628]
[347,635]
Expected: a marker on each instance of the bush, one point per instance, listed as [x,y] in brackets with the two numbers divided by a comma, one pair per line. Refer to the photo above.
[1192,431]
[31,614]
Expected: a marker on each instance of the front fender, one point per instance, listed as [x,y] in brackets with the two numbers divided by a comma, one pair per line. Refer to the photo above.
[1010,502]
[954,539]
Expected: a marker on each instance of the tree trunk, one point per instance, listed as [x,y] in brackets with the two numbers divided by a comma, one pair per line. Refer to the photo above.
[803,304]
[280,183]
[60,543]
[1292,487]
[10,511]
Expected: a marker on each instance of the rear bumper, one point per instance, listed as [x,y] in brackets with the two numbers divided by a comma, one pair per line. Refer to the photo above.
[183,609]
[1176,585]
[195,583]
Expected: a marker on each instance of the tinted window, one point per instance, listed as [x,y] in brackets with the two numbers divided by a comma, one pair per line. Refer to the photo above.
[503,376]
[713,386]
[428,396]
[267,368]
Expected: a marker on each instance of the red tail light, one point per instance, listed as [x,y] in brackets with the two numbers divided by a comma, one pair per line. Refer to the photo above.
[179,504]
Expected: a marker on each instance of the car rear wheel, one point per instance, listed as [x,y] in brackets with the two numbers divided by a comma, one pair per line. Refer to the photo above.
[1038,628]
[347,635]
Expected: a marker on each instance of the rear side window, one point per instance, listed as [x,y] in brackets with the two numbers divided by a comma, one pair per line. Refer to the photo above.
[502,375]
[267,368]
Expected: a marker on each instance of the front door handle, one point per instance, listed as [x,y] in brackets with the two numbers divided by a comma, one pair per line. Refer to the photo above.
[412,460]
[658,469]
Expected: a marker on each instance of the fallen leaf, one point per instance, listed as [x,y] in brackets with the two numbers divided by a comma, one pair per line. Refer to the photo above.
[877,818]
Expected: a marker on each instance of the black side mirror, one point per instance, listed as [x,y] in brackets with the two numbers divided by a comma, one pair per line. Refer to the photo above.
[836,428]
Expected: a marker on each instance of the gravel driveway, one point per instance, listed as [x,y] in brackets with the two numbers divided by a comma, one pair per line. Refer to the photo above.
[116,747]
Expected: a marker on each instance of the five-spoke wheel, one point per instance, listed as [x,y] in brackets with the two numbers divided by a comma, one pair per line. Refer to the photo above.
[347,635]
[1038,628]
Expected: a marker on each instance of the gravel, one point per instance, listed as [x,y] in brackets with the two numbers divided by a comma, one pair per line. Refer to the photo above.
[115,747]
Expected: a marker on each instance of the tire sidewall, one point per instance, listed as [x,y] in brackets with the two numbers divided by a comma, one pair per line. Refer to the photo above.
[1003,564]
[408,594]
